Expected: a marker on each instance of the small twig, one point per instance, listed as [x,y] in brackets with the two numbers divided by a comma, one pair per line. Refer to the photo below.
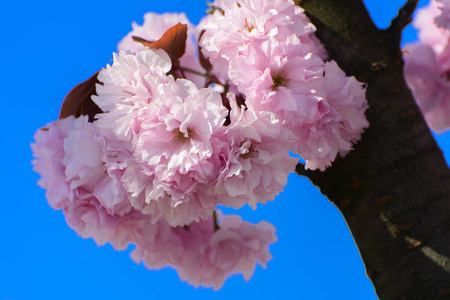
[193,71]
[216,224]
[300,169]
[403,18]
[176,66]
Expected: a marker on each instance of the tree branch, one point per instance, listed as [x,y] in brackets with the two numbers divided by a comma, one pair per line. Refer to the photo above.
[403,18]
[335,21]
[394,187]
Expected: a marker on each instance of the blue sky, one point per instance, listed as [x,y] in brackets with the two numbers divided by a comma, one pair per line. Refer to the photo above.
[49,46]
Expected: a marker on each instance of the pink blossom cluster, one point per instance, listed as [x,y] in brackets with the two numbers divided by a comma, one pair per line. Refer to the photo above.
[82,172]
[179,134]
[267,51]
[204,256]
[427,64]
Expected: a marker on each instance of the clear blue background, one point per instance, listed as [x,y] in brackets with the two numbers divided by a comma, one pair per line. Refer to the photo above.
[49,46]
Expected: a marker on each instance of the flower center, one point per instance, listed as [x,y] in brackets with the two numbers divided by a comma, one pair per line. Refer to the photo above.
[279,80]
[251,152]
[181,136]
[248,26]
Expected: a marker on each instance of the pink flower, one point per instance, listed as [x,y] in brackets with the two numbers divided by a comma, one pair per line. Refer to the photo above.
[89,219]
[165,151]
[202,253]
[428,81]
[175,147]
[322,107]
[276,77]
[236,24]
[163,245]
[128,87]
[93,202]
[256,158]
[334,122]
[149,198]
[85,152]
[427,64]
[443,20]
[235,248]
[429,33]
[206,256]
[48,151]
[169,127]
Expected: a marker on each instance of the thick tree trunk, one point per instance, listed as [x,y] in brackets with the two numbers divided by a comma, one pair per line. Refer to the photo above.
[394,188]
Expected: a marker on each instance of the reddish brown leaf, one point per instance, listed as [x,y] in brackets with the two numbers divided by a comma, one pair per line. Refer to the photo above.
[203,60]
[173,41]
[78,101]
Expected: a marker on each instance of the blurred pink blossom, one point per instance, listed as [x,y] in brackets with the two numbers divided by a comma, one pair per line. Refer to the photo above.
[206,256]
[443,20]
[427,64]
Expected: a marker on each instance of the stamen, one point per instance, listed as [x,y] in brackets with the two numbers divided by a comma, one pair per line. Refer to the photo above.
[251,152]
[279,80]
[181,136]
[248,27]
[129,93]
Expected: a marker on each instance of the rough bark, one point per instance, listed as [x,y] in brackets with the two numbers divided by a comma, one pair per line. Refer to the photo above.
[394,188]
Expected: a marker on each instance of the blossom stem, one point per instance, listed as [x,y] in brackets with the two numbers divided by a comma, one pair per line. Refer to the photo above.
[193,71]
[178,67]
[216,225]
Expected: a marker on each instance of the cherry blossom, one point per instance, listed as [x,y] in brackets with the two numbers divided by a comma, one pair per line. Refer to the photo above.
[154,26]
[256,152]
[48,151]
[170,126]
[443,20]
[170,134]
[334,121]
[234,25]
[428,32]
[158,243]
[86,201]
[204,254]
[427,65]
